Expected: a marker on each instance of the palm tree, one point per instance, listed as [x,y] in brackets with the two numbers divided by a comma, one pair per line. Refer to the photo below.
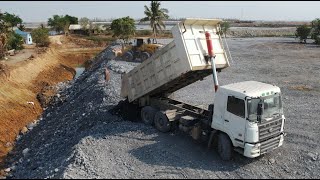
[155,15]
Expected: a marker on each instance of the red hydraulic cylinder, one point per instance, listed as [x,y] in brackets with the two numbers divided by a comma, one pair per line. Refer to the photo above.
[212,57]
[209,44]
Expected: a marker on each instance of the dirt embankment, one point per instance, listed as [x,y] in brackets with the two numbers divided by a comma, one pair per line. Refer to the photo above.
[26,82]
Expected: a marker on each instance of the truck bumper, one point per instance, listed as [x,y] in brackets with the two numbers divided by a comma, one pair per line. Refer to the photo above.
[254,150]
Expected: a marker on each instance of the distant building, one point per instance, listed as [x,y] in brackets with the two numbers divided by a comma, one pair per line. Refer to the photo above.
[26,36]
[76,29]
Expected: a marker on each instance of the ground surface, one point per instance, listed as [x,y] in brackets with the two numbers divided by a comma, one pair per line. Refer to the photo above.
[22,80]
[79,138]
[21,55]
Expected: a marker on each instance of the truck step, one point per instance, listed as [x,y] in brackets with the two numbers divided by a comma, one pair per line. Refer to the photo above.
[188,120]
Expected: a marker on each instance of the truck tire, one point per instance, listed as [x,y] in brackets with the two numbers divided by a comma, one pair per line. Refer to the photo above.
[225,147]
[147,115]
[128,56]
[144,56]
[161,122]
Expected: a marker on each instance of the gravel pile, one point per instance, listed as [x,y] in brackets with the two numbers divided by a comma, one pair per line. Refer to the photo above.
[78,137]
[79,110]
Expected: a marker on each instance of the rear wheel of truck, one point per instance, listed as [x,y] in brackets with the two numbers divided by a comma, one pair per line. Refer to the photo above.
[225,147]
[128,56]
[161,122]
[147,115]
[144,56]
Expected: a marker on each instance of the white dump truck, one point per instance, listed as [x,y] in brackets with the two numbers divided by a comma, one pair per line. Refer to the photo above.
[246,117]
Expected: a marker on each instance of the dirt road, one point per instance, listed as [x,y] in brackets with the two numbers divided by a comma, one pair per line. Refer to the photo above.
[78,137]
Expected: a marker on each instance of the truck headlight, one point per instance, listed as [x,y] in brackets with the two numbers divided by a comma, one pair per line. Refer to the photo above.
[256,146]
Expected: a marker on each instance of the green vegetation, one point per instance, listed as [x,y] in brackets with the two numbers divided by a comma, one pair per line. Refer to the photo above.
[88,27]
[9,39]
[315,32]
[225,25]
[123,28]
[303,32]
[100,40]
[11,19]
[144,33]
[3,35]
[15,41]
[61,23]
[156,16]
[21,27]
[84,22]
[40,37]
[71,19]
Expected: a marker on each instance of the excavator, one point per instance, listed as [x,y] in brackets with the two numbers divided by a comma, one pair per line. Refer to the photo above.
[140,50]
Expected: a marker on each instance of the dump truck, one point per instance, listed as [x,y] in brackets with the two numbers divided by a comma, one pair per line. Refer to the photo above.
[245,117]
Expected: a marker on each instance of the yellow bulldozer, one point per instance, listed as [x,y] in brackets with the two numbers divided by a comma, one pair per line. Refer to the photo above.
[140,50]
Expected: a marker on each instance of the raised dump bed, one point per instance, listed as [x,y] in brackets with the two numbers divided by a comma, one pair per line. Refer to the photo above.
[179,63]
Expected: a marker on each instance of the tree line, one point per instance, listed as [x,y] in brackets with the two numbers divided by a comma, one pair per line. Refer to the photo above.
[122,28]
[313,31]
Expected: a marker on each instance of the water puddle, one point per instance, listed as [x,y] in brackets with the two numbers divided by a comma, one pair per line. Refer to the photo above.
[79,71]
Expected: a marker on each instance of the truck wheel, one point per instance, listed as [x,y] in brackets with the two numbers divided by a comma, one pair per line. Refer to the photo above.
[147,115]
[144,56]
[128,56]
[225,147]
[161,122]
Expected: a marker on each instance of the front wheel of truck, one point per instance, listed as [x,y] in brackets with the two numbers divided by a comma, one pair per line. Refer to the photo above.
[225,147]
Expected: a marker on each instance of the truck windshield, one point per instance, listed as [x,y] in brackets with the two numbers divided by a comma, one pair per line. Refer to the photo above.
[271,105]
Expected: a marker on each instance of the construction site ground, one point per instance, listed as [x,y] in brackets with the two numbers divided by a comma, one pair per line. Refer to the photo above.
[23,79]
[81,135]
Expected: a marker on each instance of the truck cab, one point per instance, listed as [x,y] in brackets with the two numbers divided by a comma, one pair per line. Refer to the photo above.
[250,113]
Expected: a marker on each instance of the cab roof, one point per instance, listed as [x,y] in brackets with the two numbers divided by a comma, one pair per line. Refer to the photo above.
[251,89]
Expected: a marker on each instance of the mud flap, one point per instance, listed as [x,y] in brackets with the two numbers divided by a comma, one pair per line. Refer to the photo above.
[212,139]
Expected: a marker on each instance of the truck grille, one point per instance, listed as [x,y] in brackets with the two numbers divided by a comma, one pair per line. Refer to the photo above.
[269,129]
[269,144]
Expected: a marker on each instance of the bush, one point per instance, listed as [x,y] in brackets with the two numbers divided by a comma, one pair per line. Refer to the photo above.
[15,41]
[224,28]
[303,32]
[144,33]
[41,37]
[315,32]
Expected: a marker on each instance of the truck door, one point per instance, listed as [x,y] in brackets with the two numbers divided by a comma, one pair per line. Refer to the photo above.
[234,118]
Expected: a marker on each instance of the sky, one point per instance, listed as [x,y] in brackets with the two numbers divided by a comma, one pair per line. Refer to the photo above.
[40,11]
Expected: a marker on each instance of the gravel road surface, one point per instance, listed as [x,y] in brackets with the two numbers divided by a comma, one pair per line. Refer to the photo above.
[78,137]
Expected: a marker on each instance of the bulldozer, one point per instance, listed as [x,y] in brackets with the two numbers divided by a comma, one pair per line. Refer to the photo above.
[140,50]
